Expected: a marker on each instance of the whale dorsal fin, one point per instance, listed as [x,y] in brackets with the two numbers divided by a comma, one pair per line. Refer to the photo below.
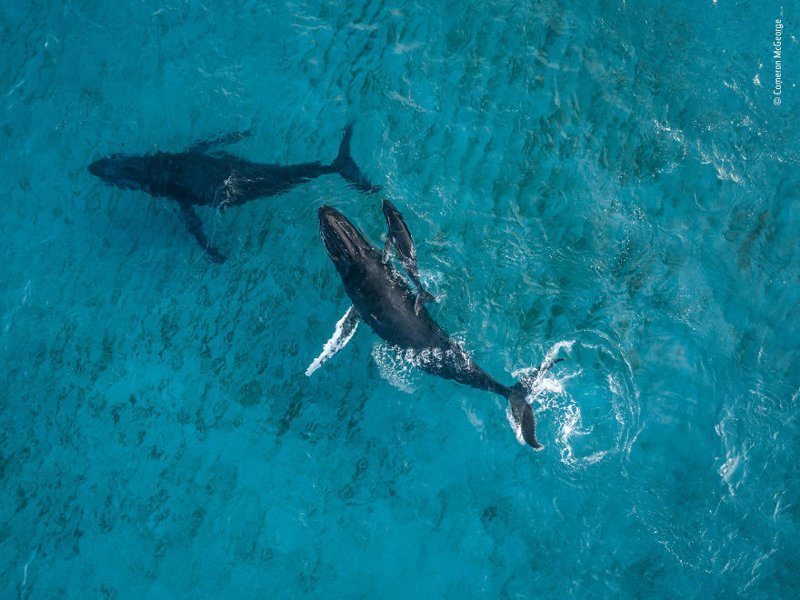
[345,330]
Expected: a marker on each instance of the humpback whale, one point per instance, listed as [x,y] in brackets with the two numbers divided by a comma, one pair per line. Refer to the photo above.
[400,237]
[383,300]
[203,176]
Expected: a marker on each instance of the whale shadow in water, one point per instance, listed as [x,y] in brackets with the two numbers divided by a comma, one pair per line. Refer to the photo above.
[203,176]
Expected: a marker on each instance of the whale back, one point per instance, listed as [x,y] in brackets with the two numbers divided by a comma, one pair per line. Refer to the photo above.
[385,302]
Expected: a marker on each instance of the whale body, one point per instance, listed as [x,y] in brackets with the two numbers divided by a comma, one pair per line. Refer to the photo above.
[382,299]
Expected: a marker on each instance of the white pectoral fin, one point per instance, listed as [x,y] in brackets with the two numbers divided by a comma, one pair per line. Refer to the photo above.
[345,330]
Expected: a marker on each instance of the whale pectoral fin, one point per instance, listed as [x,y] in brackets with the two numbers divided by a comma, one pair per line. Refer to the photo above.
[423,296]
[543,368]
[345,330]
[195,227]
[387,247]
[223,140]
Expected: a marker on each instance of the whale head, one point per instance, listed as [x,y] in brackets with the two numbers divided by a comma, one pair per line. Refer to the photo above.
[345,244]
[390,212]
[127,172]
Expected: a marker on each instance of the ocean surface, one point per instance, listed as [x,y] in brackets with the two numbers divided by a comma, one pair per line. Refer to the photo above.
[606,181]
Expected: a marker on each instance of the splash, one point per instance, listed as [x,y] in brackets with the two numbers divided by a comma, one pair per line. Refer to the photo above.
[474,419]
[733,470]
[595,407]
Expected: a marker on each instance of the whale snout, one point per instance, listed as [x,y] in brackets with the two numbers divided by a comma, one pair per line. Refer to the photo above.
[120,171]
[388,208]
[108,169]
[97,168]
[327,221]
[332,226]
[332,223]
[344,243]
[326,212]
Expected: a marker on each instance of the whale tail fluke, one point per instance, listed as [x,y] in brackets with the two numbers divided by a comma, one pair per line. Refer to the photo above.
[522,416]
[347,167]
[520,410]
[422,297]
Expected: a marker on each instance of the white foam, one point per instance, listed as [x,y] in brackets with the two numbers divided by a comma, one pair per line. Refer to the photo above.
[474,419]
[25,569]
[732,471]
[550,355]
[394,367]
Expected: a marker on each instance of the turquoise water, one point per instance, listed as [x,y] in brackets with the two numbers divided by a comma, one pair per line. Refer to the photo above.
[605,180]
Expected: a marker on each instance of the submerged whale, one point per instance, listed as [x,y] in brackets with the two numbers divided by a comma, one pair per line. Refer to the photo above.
[399,236]
[200,176]
[382,298]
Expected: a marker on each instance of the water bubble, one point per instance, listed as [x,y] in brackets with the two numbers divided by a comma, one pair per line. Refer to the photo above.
[396,366]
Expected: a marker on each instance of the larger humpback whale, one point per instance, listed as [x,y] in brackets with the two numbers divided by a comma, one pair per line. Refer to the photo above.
[199,176]
[382,298]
